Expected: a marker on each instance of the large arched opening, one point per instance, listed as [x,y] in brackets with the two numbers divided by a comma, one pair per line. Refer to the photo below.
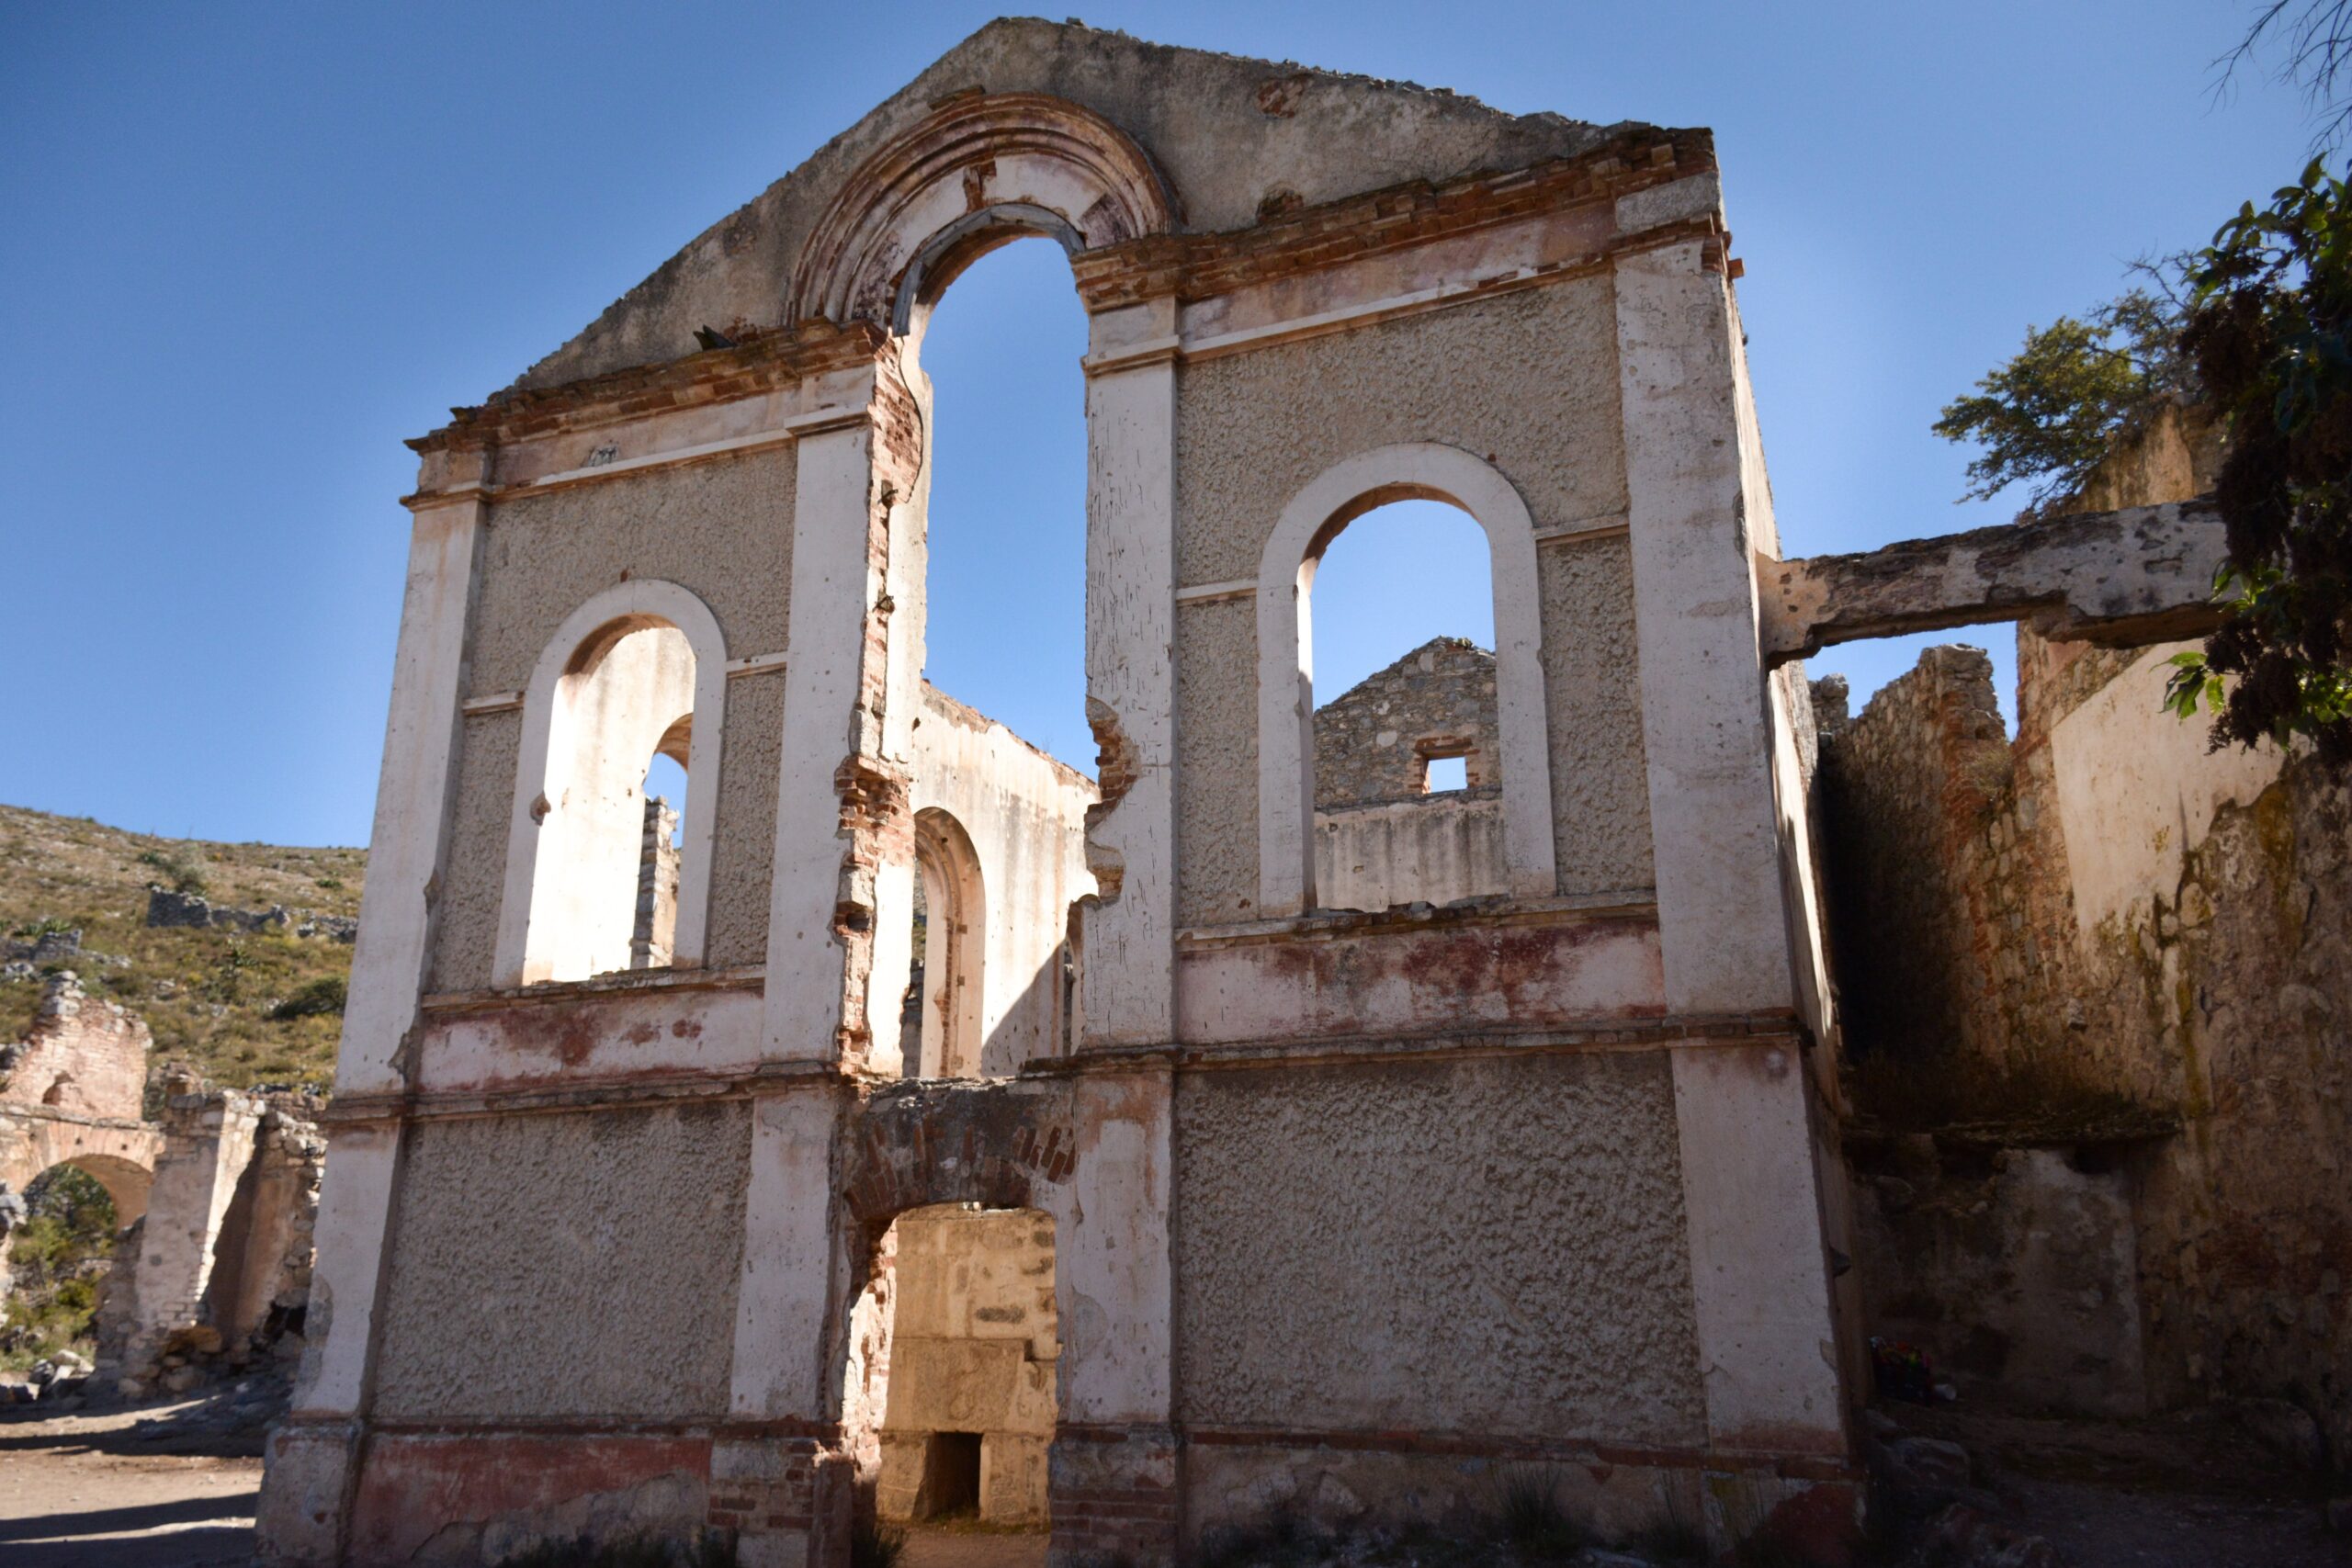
[990,592]
[1314,518]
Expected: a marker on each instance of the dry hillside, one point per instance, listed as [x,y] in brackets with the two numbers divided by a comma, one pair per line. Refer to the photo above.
[208,995]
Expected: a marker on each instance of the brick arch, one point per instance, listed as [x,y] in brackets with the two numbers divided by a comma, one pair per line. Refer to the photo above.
[121,1155]
[1002,1146]
[979,171]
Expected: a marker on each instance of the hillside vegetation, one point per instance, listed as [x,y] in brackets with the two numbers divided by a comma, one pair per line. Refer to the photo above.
[243,1008]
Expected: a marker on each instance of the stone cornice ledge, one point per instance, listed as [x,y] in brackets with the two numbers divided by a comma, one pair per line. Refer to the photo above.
[1631,904]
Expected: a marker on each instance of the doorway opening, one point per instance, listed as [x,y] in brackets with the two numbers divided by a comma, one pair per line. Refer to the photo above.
[951,1401]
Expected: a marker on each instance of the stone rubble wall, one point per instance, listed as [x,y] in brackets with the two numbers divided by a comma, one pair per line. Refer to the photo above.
[82,1056]
[218,1273]
[1371,740]
[2043,1255]
[167,909]
[2107,906]
[650,943]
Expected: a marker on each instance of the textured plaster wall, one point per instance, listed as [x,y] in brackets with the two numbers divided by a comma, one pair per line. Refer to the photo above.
[473,874]
[1217,779]
[1527,379]
[1592,693]
[723,529]
[1433,851]
[1493,1245]
[568,1265]
[1253,429]
[744,855]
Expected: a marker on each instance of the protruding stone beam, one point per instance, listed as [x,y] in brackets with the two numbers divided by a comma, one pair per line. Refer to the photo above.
[2137,576]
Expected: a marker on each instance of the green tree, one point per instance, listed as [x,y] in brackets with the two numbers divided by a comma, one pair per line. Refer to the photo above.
[2269,330]
[2073,393]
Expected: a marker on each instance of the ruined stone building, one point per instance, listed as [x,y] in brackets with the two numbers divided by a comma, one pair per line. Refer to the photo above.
[1380,839]
[215,1198]
[1207,1182]
[2127,961]
[71,1093]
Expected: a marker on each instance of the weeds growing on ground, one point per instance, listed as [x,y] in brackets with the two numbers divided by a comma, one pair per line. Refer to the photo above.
[1674,1537]
[872,1543]
[1530,1517]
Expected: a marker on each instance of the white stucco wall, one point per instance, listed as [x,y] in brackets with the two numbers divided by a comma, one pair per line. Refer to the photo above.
[2137,788]
[1026,815]
[1432,852]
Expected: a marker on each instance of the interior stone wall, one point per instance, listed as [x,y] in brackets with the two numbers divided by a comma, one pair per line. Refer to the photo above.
[1492,1246]
[2164,933]
[566,1265]
[973,1347]
[1365,738]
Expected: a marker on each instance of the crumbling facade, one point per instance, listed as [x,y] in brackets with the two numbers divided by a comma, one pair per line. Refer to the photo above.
[1345,1205]
[71,1093]
[218,1270]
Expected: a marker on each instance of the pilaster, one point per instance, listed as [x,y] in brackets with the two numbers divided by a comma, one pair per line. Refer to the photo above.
[1751,1193]
[1130,678]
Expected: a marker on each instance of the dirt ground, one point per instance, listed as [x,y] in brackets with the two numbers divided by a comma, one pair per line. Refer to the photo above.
[952,1548]
[123,1489]
[159,1486]
[2165,1492]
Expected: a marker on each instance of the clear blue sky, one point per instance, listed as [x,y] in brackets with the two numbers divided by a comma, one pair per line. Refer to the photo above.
[245,250]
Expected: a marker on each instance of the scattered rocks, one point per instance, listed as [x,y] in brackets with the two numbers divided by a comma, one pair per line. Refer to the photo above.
[1963,1537]
[1925,1464]
[2285,1431]
[48,947]
[170,909]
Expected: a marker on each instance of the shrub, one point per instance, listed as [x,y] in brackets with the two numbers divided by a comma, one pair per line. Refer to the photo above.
[185,876]
[317,999]
[1533,1520]
[872,1543]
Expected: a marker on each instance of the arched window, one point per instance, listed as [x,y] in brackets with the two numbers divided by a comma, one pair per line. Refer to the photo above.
[952,944]
[1287,747]
[987,581]
[1408,773]
[593,876]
